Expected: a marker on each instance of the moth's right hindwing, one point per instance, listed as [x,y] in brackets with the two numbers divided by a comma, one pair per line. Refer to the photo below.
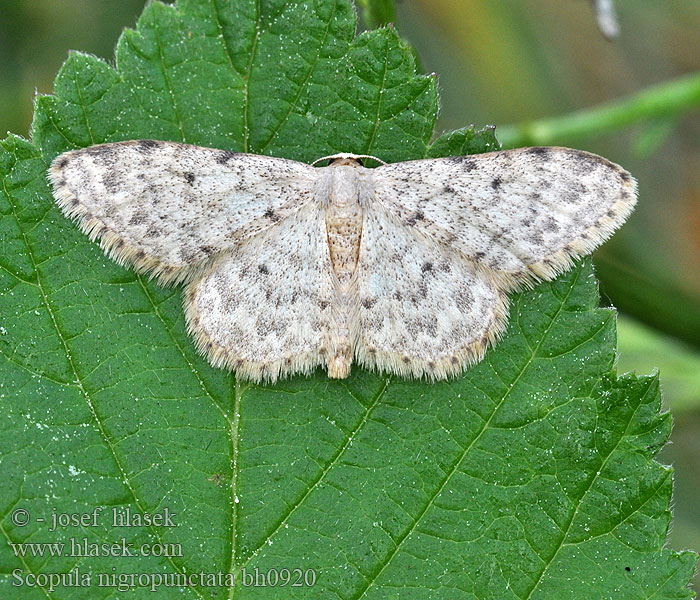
[422,309]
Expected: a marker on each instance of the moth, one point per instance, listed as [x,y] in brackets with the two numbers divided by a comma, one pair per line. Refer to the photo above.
[404,268]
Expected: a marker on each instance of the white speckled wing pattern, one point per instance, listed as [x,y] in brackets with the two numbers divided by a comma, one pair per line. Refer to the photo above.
[266,308]
[518,215]
[423,310]
[405,268]
[166,208]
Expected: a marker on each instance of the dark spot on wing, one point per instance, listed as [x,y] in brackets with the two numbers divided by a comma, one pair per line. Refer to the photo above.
[496,183]
[137,218]
[550,224]
[62,162]
[206,250]
[186,254]
[263,269]
[479,255]
[148,145]
[368,303]
[224,156]
[109,180]
[463,300]
[189,177]
[427,266]
[99,150]
[272,215]
[467,163]
[541,152]
[585,162]
[417,216]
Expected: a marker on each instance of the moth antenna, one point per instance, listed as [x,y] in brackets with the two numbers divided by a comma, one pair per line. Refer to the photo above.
[347,155]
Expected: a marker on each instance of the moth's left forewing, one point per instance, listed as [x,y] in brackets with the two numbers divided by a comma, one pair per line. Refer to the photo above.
[166,208]
[519,215]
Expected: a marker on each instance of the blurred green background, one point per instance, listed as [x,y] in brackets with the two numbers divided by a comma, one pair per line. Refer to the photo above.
[508,64]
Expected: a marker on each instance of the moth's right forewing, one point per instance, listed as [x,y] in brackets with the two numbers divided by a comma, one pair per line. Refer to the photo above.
[166,208]
[518,215]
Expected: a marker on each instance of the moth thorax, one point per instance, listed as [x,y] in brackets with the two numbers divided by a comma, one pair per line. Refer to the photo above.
[344,224]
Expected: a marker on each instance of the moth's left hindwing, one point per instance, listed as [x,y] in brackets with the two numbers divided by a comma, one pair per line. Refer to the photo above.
[266,310]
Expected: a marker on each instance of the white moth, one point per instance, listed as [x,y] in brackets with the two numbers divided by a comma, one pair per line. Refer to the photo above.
[404,268]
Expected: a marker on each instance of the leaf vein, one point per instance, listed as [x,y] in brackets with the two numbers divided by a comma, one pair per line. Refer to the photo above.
[84,393]
[574,513]
[370,582]
[304,85]
[334,460]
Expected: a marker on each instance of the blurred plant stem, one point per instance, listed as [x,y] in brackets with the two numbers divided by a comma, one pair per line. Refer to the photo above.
[664,100]
[376,13]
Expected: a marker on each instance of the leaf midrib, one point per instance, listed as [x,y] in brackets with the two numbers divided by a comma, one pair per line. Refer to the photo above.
[364,419]
[302,87]
[246,79]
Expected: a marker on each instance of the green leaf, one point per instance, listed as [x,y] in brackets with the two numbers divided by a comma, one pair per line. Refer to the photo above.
[532,476]
[464,141]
